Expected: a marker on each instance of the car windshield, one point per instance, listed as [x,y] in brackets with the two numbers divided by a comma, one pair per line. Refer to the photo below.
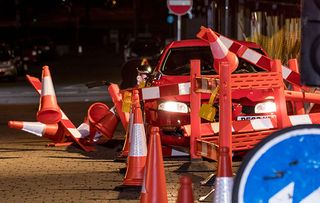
[177,62]
[4,54]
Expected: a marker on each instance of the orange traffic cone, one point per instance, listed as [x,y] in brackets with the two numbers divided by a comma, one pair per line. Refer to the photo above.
[224,179]
[114,92]
[49,111]
[219,51]
[102,119]
[51,131]
[126,145]
[154,187]
[87,131]
[138,148]
[185,194]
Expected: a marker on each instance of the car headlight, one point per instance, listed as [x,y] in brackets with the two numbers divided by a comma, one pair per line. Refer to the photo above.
[172,106]
[265,107]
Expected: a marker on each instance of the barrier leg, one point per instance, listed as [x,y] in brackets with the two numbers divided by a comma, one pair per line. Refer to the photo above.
[195,100]
[279,98]
[299,107]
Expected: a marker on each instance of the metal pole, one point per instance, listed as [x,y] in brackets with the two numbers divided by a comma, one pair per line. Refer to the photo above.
[179,28]
[226,18]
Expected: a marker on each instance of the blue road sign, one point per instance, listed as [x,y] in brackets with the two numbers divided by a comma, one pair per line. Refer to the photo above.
[285,167]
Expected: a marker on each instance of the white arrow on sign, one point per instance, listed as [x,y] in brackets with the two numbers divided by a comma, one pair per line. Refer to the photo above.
[284,195]
[313,197]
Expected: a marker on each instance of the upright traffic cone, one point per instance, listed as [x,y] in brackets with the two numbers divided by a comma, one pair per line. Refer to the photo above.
[154,187]
[49,111]
[102,119]
[185,194]
[51,131]
[219,51]
[126,145]
[138,147]
[224,179]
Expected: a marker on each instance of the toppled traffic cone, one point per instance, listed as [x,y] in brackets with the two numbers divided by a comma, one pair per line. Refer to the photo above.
[154,188]
[116,96]
[49,111]
[185,194]
[51,131]
[138,147]
[219,51]
[224,179]
[88,132]
[102,119]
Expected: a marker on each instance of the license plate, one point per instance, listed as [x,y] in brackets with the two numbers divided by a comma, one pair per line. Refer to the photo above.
[243,118]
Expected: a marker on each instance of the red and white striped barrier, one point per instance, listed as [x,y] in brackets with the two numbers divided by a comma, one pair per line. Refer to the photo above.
[258,59]
[165,90]
[255,124]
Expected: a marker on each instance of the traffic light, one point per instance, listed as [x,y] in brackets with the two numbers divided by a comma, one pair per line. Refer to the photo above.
[310,43]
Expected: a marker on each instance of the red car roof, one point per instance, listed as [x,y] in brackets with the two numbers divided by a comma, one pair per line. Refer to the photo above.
[198,42]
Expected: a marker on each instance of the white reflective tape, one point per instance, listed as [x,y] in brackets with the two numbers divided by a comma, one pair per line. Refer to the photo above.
[204,149]
[285,72]
[184,88]
[138,146]
[35,128]
[178,153]
[84,130]
[74,132]
[215,127]
[64,116]
[251,56]
[261,124]
[223,190]
[204,83]
[179,3]
[150,93]
[300,119]
[47,87]
[226,41]
[218,49]
[312,197]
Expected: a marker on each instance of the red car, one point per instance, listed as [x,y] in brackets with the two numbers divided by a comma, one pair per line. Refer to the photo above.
[173,66]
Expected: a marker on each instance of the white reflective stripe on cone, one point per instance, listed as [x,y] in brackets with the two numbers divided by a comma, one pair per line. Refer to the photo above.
[36,128]
[47,88]
[223,190]
[84,130]
[138,146]
[218,49]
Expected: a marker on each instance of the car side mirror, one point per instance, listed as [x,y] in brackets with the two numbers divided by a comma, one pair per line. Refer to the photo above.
[157,76]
